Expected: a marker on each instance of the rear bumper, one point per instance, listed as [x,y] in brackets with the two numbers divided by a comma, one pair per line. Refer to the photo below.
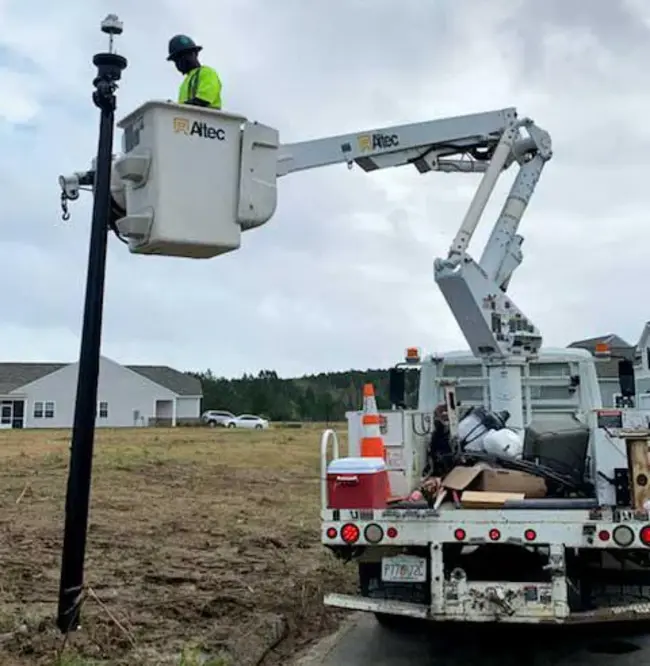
[420,527]
[629,613]
[352,602]
[557,591]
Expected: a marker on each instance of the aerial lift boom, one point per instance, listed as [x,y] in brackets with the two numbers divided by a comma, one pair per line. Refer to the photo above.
[191,179]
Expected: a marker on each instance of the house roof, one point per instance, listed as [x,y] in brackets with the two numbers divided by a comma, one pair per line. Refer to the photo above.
[15,375]
[643,339]
[607,368]
[611,339]
[174,380]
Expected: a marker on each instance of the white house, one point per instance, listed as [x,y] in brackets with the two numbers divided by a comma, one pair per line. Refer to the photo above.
[42,395]
[607,370]
[642,368]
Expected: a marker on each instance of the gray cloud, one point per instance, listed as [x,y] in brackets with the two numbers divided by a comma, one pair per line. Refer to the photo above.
[342,276]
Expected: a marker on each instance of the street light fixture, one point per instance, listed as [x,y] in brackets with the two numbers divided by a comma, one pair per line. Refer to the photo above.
[110,66]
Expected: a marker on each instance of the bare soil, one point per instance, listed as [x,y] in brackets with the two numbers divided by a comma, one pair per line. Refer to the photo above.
[203,548]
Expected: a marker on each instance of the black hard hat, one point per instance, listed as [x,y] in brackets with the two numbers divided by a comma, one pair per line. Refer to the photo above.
[179,44]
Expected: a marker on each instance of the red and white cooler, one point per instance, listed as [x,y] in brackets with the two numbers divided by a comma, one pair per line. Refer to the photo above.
[357,483]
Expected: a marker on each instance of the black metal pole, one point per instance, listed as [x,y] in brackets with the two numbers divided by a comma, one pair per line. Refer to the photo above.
[109,70]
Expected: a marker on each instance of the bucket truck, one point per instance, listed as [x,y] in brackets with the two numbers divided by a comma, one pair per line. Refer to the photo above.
[190,180]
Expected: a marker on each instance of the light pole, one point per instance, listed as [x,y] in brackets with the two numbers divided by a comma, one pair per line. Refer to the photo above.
[109,71]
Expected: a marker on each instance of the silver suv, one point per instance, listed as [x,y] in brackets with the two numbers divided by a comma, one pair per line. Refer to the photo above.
[216,418]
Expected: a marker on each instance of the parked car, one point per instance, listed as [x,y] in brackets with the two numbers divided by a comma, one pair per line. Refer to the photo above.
[247,421]
[215,417]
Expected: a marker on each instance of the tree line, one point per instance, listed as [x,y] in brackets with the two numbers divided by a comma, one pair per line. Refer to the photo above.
[322,397]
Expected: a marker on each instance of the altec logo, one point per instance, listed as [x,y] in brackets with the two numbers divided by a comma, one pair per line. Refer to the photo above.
[195,128]
[377,141]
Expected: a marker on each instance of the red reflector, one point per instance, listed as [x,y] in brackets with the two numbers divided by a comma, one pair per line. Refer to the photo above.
[494,534]
[460,534]
[391,532]
[350,533]
[530,535]
[331,532]
[644,535]
[603,535]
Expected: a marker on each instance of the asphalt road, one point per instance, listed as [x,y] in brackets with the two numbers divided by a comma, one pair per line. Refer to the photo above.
[368,644]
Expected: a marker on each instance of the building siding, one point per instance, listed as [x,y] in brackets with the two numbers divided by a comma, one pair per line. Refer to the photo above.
[608,389]
[125,391]
[188,408]
[643,384]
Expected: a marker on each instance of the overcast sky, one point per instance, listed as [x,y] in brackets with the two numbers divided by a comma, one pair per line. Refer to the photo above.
[342,276]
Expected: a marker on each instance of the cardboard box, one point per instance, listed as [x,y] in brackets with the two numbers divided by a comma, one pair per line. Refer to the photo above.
[512,481]
[462,477]
[484,500]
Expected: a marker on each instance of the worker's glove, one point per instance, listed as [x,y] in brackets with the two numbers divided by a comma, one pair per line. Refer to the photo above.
[430,487]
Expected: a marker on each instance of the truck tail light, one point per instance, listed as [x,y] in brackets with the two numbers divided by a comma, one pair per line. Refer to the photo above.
[373,533]
[530,535]
[350,533]
[623,536]
[604,535]
[331,532]
[494,534]
[460,534]
[391,532]
[644,535]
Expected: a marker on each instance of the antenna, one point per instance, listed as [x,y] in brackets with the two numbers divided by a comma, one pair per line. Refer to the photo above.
[112,26]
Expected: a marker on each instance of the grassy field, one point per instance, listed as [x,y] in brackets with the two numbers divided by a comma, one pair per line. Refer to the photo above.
[203,547]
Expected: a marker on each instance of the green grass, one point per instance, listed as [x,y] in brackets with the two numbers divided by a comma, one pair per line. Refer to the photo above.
[194,656]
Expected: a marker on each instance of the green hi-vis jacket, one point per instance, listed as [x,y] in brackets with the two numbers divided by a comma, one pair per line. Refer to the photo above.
[202,84]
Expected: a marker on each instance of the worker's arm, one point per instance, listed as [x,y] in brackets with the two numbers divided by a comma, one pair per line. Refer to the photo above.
[205,88]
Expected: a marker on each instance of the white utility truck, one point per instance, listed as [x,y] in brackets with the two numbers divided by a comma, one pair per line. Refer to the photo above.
[190,180]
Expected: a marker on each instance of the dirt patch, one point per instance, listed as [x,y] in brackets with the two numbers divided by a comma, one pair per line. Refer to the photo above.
[202,545]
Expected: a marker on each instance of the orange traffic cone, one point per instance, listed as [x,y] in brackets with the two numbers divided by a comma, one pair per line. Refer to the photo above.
[372,443]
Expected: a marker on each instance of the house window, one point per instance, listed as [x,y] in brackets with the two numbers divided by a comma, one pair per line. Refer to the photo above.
[103,410]
[44,409]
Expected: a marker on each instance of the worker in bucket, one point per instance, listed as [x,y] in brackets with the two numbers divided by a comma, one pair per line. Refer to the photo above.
[201,85]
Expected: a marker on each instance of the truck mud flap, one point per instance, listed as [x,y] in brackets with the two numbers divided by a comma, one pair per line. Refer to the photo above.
[352,602]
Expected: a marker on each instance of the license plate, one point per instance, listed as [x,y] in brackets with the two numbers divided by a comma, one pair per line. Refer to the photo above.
[404,569]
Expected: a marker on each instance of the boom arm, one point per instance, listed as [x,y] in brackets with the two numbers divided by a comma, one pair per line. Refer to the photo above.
[155,206]
[437,145]
[486,142]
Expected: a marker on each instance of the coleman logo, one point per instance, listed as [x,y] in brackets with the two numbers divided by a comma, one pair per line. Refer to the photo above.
[195,128]
[377,141]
